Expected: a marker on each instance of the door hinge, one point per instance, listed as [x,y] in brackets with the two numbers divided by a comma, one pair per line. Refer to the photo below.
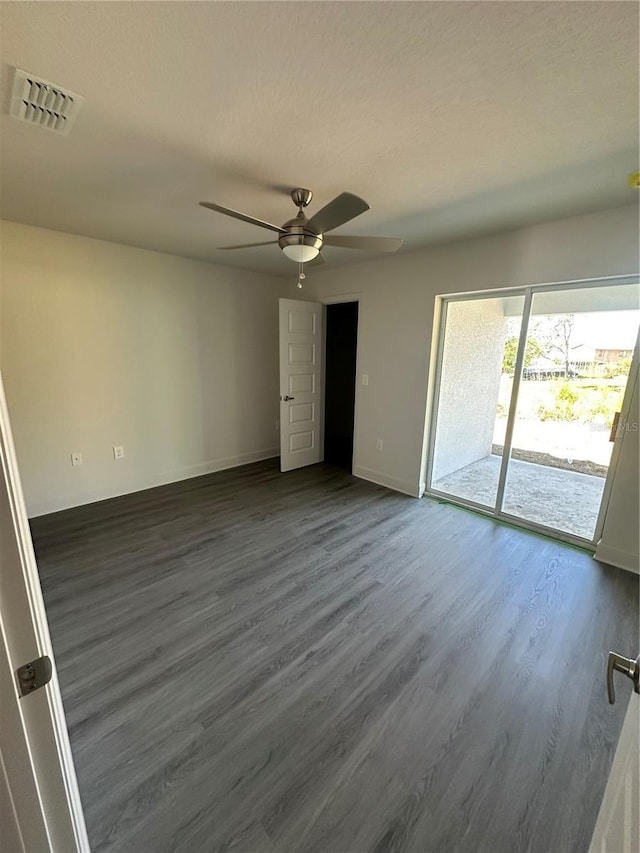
[34,674]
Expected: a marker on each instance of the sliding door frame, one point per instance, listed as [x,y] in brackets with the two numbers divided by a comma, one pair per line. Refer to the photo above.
[625,412]
[513,402]
[528,292]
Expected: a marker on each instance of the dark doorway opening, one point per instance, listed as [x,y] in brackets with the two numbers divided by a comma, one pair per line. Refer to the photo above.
[340,383]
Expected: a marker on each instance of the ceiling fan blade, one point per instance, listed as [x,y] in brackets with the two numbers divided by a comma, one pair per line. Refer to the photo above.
[370,244]
[342,209]
[243,216]
[248,245]
[316,262]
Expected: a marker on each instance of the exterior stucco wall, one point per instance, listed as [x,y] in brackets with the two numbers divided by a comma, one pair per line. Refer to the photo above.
[471,369]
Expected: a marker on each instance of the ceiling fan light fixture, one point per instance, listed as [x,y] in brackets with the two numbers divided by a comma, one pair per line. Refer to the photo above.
[300,253]
[300,247]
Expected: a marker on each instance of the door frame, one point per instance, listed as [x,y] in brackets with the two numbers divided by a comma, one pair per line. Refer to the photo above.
[41,776]
[496,512]
[625,411]
[342,299]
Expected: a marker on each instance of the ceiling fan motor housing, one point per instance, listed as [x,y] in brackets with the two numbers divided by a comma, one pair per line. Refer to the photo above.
[298,243]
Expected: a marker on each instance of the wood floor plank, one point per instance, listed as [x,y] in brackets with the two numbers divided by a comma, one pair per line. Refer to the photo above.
[272,663]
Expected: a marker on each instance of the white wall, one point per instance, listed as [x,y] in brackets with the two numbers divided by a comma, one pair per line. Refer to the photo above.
[103,344]
[397,297]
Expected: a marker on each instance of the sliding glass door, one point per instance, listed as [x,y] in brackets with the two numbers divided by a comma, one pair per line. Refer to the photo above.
[528,384]
[479,338]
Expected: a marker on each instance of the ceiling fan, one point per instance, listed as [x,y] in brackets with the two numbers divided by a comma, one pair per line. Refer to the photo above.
[301,239]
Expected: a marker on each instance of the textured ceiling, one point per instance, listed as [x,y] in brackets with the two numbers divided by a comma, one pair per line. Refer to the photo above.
[449,118]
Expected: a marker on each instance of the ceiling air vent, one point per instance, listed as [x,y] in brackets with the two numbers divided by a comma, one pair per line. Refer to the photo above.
[44,104]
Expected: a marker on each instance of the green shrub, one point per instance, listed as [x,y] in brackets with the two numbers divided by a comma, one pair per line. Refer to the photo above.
[603,403]
[618,368]
[567,394]
[569,402]
[563,405]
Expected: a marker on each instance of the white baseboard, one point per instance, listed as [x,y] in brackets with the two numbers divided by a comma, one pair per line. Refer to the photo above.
[380,479]
[616,557]
[161,479]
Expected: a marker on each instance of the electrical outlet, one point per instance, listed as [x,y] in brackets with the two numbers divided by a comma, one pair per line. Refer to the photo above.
[118,451]
[365,378]
[379,444]
[76,458]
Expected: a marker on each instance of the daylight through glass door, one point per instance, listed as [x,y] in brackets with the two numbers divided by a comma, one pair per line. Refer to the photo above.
[528,387]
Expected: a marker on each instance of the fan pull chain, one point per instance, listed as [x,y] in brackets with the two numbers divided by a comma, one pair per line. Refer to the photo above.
[301,275]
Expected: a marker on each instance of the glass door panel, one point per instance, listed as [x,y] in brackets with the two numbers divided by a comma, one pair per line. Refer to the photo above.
[476,377]
[579,348]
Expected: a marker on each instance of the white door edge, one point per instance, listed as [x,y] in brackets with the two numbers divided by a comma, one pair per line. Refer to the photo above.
[63,756]
[617,828]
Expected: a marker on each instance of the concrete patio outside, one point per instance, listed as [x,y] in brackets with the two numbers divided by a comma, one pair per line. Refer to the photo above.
[564,500]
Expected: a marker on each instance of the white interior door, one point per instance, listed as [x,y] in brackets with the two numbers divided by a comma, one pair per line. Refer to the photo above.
[618,826]
[34,745]
[301,365]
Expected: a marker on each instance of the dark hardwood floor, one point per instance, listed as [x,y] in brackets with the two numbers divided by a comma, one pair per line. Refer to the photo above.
[255,661]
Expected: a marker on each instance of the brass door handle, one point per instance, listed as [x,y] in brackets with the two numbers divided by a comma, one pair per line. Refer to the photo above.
[618,663]
[614,426]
